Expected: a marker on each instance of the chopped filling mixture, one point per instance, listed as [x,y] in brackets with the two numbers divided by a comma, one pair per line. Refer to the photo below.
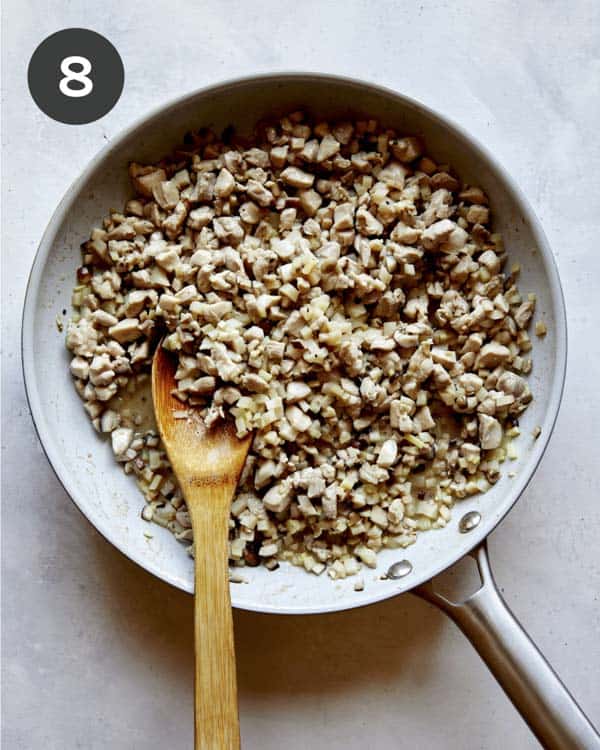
[331,289]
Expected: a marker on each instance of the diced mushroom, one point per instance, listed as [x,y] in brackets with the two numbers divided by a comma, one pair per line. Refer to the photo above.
[121,440]
[297,177]
[388,454]
[490,432]
[493,354]
[125,330]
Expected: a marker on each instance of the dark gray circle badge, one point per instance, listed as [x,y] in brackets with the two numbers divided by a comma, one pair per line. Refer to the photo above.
[75,76]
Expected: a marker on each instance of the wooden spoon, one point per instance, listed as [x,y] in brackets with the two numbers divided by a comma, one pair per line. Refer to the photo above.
[207,464]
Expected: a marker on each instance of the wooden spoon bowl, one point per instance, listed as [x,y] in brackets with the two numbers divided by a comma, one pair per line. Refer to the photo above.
[207,464]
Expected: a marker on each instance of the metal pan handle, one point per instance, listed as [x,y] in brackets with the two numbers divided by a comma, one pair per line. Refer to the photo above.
[515,661]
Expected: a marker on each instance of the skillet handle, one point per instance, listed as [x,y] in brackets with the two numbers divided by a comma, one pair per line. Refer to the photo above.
[515,661]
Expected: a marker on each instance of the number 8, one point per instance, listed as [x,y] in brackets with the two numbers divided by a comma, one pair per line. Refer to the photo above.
[70,75]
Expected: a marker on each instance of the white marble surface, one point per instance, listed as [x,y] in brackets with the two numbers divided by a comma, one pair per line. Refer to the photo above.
[96,653]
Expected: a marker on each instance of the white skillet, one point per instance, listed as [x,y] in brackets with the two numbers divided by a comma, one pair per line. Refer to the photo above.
[112,502]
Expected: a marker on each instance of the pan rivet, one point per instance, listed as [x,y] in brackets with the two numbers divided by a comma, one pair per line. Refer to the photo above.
[469,521]
[399,570]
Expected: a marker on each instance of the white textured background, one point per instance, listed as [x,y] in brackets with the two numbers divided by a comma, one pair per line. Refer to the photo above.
[96,653]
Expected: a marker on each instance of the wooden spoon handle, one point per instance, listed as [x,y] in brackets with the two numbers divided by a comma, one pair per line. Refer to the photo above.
[216,709]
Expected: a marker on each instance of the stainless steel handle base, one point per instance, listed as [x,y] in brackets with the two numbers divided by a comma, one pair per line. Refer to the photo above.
[515,661]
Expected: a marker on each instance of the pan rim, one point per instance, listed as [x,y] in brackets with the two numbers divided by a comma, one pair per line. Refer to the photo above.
[65,205]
